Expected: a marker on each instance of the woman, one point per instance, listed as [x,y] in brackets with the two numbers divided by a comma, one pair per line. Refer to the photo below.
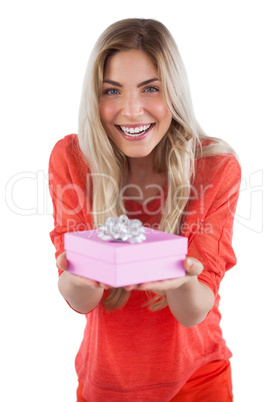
[141,152]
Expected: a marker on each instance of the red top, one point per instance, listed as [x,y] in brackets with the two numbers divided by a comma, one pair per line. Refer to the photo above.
[133,353]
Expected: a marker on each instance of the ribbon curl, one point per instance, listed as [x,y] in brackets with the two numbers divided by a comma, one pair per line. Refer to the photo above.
[122,229]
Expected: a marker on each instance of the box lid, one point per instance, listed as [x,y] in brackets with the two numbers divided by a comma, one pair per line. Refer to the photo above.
[157,245]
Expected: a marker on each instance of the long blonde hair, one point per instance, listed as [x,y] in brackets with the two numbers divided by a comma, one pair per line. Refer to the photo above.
[176,152]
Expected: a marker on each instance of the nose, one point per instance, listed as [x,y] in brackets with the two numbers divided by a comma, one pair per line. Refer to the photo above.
[132,107]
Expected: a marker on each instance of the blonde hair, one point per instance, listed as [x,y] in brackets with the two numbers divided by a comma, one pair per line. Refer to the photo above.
[180,146]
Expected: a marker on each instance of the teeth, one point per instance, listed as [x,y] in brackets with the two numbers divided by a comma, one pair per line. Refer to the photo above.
[136,130]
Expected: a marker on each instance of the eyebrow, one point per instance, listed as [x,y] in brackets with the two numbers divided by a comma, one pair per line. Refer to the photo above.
[117,84]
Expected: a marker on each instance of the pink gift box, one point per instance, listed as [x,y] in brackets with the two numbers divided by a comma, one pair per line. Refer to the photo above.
[118,263]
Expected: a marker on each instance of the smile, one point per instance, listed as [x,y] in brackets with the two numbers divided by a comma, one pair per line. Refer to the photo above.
[135,131]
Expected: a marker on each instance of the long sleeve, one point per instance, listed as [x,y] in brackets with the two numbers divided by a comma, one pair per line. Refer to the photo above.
[68,174]
[209,220]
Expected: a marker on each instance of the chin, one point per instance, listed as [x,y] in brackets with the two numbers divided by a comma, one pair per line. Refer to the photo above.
[133,154]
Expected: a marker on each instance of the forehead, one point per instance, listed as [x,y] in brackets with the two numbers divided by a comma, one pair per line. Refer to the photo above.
[134,64]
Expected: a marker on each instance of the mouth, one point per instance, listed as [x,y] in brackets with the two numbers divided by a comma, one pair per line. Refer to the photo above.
[135,131]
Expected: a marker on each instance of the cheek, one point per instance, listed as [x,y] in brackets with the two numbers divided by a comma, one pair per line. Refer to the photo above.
[107,112]
[160,110]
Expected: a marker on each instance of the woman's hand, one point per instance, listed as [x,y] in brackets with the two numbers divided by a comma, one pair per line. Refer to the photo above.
[188,299]
[82,294]
[192,266]
[62,264]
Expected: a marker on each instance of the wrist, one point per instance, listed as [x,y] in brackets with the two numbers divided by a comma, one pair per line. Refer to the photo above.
[78,293]
[191,302]
[189,285]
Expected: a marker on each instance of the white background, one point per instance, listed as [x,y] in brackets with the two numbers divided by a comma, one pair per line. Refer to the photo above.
[44,50]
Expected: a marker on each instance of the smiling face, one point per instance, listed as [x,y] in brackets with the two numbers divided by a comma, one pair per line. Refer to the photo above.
[132,106]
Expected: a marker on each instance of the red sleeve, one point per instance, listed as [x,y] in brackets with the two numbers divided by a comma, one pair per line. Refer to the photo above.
[209,221]
[67,186]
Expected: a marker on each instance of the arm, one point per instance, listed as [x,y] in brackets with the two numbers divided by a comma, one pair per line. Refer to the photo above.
[208,227]
[67,173]
[191,302]
[82,294]
[188,299]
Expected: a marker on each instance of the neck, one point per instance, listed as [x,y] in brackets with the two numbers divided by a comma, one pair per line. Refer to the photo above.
[143,182]
[141,167]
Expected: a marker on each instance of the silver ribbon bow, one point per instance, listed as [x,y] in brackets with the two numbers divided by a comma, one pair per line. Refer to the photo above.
[122,229]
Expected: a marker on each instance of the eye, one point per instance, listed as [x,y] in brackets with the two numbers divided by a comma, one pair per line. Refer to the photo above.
[151,89]
[111,91]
